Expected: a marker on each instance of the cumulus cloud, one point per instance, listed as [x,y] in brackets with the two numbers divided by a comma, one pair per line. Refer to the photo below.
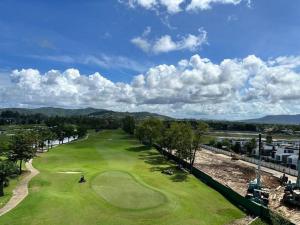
[207,4]
[176,6]
[171,6]
[166,43]
[194,87]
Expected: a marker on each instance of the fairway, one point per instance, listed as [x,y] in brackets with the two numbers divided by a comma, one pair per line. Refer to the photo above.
[124,186]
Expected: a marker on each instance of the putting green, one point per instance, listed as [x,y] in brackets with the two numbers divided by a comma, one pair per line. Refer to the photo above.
[124,185]
[122,190]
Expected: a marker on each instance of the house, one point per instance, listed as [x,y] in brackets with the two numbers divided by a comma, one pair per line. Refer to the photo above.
[292,161]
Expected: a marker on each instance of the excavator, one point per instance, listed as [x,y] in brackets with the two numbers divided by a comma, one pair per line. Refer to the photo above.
[292,190]
[255,191]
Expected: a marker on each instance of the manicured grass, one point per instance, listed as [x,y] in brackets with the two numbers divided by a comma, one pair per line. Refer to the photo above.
[124,191]
[124,186]
[8,191]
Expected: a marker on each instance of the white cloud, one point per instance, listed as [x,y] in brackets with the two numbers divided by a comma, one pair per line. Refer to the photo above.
[207,4]
[195,87]
[166,43]
[176,6]
[171,6]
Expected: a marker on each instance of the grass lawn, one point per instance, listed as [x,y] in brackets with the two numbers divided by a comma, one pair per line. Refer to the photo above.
[124,186]
[8,191]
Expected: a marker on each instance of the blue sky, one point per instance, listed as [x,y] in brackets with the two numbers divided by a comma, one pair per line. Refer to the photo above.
[125,38]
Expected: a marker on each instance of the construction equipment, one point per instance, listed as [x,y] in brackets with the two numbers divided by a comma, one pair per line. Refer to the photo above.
[256,192]
[284,179]
[292,190]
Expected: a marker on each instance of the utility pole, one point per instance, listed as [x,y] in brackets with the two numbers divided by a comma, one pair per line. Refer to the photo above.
[298,167]
[259,160]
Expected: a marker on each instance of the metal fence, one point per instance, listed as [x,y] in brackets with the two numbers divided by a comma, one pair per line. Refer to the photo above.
[269,165]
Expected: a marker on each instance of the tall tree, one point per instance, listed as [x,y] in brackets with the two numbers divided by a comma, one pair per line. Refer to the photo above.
[250,146]
[149,130]
[69,131]
[128,124]
[81,131]
[184,141]
[269,139]
[197,136]
[237,147]
[21,148]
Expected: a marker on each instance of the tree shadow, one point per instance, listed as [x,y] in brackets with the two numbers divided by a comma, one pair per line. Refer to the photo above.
[160,163]
[140,148]
[180,176]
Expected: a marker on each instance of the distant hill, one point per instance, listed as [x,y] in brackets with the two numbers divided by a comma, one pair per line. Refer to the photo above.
[277,119]
[137,115]
[51,111]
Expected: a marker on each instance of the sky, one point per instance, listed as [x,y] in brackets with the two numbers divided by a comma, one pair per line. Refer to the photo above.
[211,59]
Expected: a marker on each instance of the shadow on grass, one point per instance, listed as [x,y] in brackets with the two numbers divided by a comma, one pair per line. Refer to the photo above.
[160,163]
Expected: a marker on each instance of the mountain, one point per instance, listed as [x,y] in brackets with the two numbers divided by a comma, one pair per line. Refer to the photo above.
[51,111]
[137,115]
[277,119]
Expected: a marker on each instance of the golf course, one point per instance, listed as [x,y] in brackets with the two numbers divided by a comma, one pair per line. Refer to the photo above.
[124,185]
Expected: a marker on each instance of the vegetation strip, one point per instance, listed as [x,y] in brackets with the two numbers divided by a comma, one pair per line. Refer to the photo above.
[21,191]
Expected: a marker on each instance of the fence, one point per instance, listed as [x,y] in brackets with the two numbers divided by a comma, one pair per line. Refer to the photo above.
[269,165]
[253,208]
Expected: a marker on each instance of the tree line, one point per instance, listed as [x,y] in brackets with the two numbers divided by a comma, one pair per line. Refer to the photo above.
[24,145]
[181,138]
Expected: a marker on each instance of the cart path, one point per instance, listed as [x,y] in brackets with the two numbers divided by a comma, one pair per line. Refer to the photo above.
[21,190]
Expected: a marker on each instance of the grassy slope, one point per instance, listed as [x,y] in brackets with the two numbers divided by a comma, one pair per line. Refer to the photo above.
[57,198]
[258,222]
[8,191]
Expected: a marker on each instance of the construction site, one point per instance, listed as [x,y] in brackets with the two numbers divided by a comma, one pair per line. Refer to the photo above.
[240,176]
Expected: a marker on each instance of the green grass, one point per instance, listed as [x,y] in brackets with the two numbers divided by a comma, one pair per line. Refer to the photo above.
[108,184]
[8,191]
[124,186]
[258,221]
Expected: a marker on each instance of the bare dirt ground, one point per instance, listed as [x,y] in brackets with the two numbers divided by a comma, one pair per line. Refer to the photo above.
[236,175]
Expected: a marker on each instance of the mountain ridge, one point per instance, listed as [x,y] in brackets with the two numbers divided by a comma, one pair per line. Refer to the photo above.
[66,112]
[277,119]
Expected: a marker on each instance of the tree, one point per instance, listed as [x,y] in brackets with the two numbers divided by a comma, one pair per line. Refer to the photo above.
[50,137]
[128,124]
[68,131]
[269,139]
[197,135]
[42,137]
[171,136]
[250,146]
[184,141]
[149,130]
[139,133]
[237,147]
[59,132]
[212,142]
[7,169]
[81,131]
[165,140]
[226,143]
[21,149]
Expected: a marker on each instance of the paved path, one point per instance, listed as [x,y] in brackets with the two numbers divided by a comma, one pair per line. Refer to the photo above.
[21,191]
